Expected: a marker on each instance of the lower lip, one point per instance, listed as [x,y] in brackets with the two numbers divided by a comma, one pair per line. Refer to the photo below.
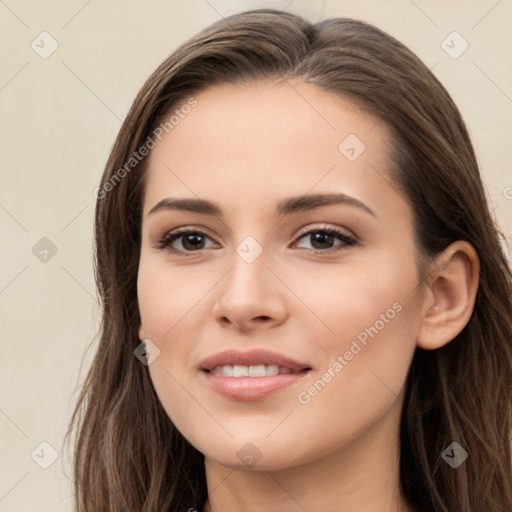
[251,388]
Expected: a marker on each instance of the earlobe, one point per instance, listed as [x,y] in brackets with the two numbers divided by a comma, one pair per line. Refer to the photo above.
[142,337]
[451,298]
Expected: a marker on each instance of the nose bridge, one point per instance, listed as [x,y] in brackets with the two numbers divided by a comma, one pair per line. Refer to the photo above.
[249,278]
[249,290]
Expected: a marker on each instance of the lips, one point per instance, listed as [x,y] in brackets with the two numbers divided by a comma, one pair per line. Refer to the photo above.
[251,358]
[252,375]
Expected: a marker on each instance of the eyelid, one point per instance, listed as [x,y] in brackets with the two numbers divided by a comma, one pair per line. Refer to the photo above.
[323,226]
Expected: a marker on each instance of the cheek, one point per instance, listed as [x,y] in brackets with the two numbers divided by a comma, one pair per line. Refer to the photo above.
[369,313]
[374,316]
[168,296]
[166,303]
[366,299]
[173,304]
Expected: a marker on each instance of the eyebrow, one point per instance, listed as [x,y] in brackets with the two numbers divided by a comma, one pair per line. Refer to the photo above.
[287,206]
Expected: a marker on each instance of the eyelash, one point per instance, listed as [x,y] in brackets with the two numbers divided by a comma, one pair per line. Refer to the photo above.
[166,241]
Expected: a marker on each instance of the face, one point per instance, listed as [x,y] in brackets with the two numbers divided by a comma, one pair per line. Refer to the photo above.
[323,291]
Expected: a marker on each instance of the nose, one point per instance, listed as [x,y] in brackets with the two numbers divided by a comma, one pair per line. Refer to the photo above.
[251,296]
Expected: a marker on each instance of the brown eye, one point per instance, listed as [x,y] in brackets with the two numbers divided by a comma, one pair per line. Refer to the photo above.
[189,240]
[320,238]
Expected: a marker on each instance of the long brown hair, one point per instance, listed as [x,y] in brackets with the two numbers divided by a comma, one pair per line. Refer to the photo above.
[128,456]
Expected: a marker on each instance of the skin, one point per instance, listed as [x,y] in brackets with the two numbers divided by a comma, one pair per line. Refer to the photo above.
[245,148]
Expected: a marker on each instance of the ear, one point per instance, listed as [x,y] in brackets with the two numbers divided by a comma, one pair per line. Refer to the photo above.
[450,297]
[142,337]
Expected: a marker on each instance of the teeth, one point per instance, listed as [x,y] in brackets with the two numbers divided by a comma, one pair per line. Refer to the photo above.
[256,371]
[239,371]
[259,370]
[272,369]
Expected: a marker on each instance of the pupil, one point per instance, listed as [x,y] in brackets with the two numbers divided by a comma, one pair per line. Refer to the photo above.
[321,238]
[188,238]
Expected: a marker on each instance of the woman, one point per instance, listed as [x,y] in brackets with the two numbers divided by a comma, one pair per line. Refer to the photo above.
[305,301]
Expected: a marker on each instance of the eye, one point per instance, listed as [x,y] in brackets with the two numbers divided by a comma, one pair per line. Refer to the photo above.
[191,240]
[322,237]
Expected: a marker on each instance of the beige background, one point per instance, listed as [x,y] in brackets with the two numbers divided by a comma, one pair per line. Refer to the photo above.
[59,118]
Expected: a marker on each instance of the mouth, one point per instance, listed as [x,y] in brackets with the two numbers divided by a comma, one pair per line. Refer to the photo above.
[251,375]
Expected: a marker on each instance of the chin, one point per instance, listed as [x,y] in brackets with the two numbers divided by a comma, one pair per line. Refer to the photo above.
[257,455]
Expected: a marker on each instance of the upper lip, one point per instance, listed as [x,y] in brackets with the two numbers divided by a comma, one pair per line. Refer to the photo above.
[251,358]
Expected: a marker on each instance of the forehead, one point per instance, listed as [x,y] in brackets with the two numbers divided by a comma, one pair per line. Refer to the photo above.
[272,138]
